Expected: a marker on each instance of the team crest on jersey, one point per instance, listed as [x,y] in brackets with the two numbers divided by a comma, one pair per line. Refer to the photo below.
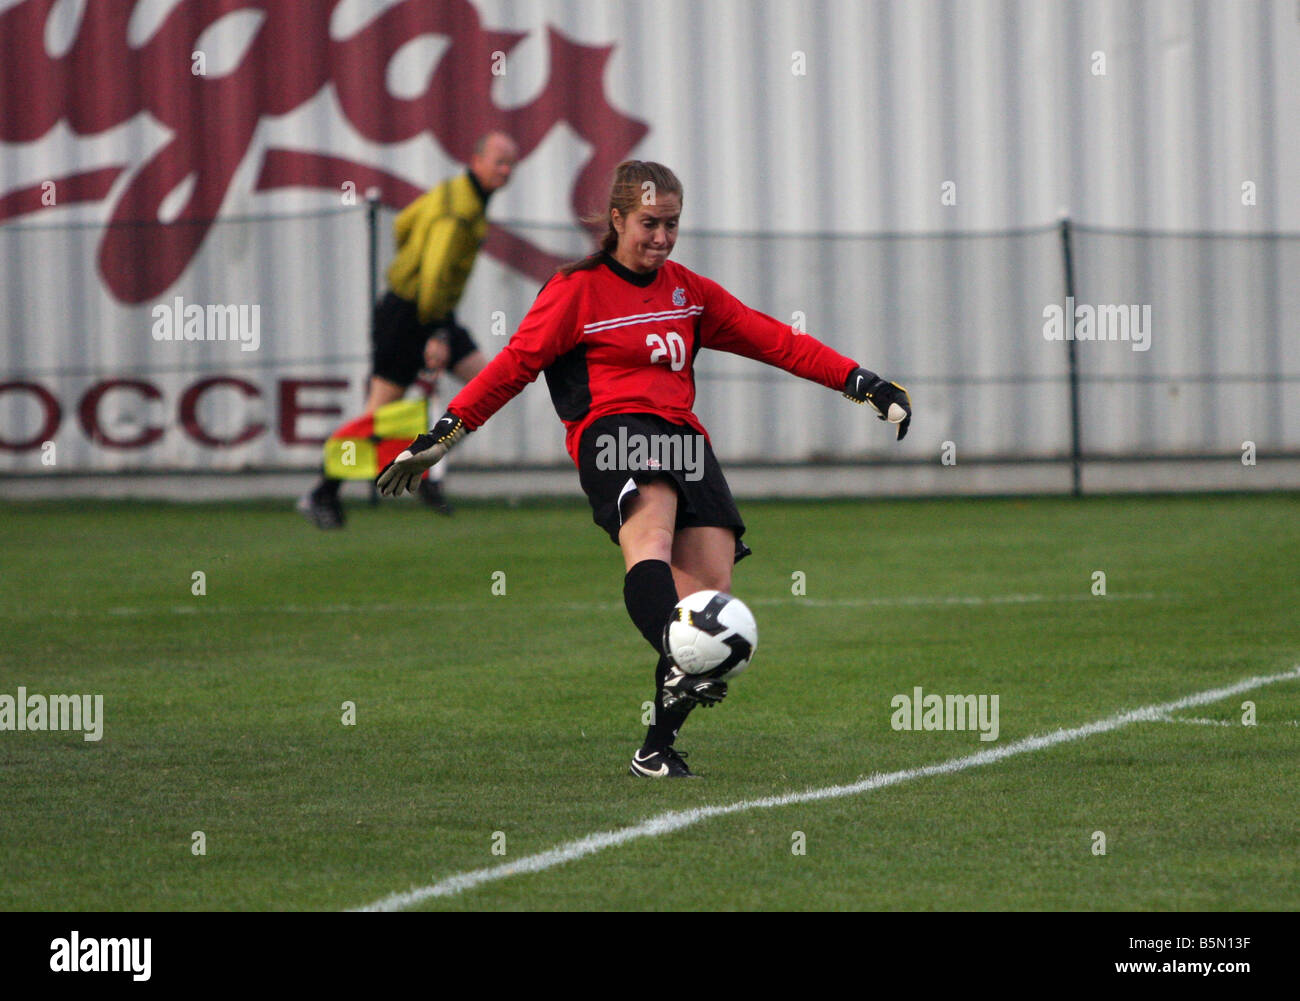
[679,297]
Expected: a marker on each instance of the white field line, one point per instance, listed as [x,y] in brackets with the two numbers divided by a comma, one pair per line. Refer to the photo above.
[1222,722]
[202,608]
[666,823]
[1198,722]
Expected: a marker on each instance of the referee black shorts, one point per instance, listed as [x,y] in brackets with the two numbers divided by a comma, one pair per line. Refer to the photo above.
[398,340]
[621,451]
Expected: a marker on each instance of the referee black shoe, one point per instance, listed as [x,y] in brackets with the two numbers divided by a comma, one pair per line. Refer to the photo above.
[666,763]
[430,492]
[322,509]
[684,691]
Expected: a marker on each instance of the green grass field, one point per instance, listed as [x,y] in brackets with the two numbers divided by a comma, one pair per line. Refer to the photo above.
[479,713]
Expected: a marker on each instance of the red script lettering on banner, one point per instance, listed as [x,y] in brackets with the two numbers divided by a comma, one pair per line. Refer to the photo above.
[102,81]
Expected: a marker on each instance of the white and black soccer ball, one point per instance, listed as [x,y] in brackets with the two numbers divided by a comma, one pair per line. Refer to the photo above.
[711,634]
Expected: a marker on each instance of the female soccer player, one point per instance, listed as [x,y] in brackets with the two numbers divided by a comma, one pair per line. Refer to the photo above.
[616,335]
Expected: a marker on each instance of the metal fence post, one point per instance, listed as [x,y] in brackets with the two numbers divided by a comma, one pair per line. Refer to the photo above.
[1076,457]
[372,263]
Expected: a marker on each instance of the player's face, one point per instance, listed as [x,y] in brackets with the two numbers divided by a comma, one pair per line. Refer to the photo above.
[646,236]
[494,165]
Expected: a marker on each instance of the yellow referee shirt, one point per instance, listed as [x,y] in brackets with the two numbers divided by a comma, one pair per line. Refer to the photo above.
[438,236]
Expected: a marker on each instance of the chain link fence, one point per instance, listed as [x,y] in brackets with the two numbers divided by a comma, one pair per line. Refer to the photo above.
[1064,344]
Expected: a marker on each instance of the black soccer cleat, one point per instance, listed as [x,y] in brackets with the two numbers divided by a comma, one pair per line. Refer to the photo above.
[666,763]
[431,493]
[325,511]
[684,691]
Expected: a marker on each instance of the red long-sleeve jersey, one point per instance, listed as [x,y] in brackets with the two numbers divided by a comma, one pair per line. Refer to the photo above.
[609,344]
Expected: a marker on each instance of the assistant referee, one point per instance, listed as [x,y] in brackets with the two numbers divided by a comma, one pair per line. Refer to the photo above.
[415,328]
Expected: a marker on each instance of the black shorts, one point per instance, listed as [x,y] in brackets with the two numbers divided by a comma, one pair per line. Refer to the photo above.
[398,340]
[612,462]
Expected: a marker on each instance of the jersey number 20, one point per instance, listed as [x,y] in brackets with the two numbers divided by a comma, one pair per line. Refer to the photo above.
[675,349]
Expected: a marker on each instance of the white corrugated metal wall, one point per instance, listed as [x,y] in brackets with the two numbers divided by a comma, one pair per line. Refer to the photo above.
[996,95]
[1121,114]
[1006,100]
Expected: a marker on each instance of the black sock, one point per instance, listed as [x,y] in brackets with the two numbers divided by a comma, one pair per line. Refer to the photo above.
[650,596]
[327,488]
[663,731]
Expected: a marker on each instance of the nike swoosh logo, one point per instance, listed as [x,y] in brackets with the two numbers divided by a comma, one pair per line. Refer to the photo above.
[636,760]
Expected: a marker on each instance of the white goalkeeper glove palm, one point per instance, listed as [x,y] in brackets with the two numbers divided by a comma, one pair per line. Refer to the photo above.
[403,474]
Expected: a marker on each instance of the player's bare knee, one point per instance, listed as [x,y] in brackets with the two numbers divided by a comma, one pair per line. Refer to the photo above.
[716,582]
[644,537]
[655,536]
[689,581]
[652,542]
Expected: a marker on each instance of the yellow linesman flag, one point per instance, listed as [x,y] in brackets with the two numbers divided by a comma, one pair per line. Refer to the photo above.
[360,449]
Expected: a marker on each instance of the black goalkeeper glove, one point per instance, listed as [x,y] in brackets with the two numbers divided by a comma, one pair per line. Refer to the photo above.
[404,473]
[889,399]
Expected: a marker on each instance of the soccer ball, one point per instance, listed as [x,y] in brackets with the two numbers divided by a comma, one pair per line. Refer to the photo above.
[711,634]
